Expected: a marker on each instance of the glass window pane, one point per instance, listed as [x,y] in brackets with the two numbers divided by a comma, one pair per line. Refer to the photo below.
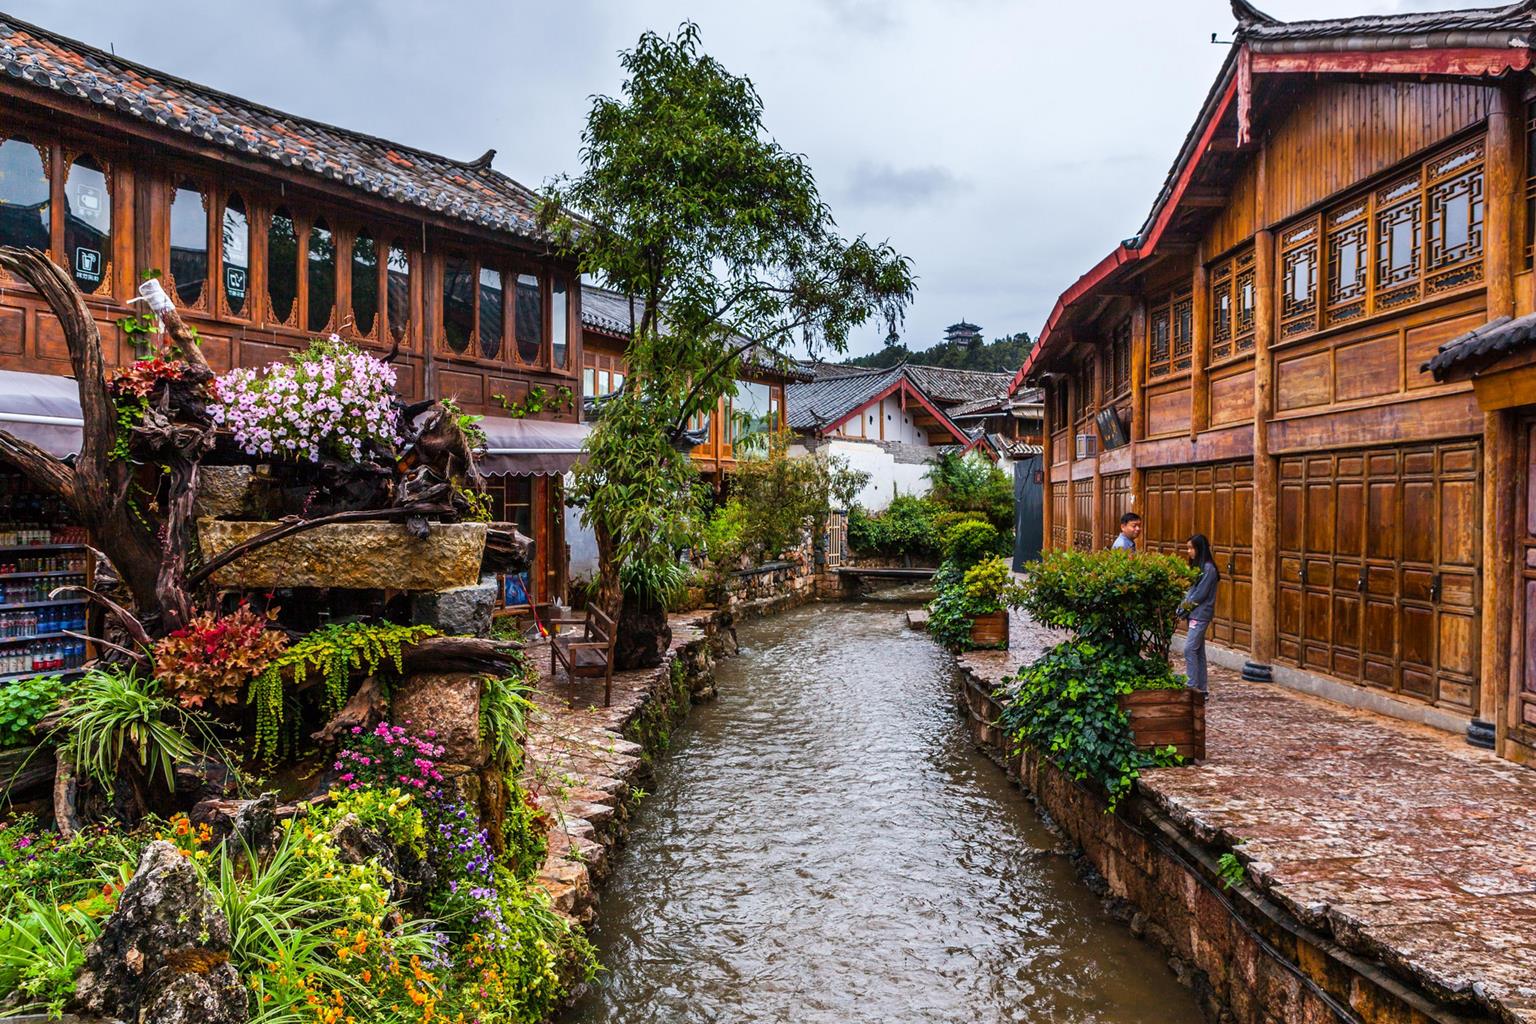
[189,243]
[23,195]
[282,265]
[399,274]
[618,382]
[751,417]
[530,317]
[87,223]
[321,277]
[458,304]
[365,283]
[588,382]
[236,249]
[557,327]
[490,312]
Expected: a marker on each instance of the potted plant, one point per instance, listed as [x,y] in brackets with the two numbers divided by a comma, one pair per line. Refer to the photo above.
[971,609]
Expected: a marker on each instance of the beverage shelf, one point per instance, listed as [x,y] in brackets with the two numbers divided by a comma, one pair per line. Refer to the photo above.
[6,606]
[35,636]
[67,673]
[34,575]
[41,547]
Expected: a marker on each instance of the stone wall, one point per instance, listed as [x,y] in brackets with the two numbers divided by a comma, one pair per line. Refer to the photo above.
[1245,957]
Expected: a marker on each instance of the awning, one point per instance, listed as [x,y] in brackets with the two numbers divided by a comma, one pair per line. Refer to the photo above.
[43,409]
[530,447]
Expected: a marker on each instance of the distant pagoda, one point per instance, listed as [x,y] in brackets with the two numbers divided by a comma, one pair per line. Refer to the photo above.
[963,333]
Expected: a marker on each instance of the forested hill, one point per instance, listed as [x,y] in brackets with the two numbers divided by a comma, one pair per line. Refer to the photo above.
[1004,355]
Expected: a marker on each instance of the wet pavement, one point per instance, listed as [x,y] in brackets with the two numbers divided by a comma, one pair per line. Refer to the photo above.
[824,844]
[1401,841]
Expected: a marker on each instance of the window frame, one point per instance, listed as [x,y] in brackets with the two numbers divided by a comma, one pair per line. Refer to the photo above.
[58,210]
[1231,334]
[1171,310]
[254,227]
[172,184]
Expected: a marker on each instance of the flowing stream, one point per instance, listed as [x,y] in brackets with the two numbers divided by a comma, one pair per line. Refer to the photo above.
[824,844]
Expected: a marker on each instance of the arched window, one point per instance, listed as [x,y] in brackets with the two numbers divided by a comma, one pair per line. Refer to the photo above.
[491,312]
[235,247]
[321,278]
[557,324]
[282,265]
[398,279]
[458,303]
[365,283]
[24,195]
[87,223]
[530,317]
[189,243]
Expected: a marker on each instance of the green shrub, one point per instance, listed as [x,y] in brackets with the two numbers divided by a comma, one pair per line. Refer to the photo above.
[964,594]
[117,719]
[971,541]
[945,521]
[1064,705]
[724,533]
[1112,598]
[904,528]
[506,704]
[23,704]
[973,483]
[783,496]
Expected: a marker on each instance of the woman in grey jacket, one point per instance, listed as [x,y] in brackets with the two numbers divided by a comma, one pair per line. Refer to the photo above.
[1199,607]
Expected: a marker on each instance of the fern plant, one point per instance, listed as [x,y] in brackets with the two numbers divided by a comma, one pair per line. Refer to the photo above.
[111,715]
[333,651]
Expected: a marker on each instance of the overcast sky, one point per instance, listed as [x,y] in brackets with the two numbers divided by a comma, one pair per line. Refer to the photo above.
[1004,146]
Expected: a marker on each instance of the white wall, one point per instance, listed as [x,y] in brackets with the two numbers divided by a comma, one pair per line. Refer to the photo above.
[581,541]
[887,477]
[888,416]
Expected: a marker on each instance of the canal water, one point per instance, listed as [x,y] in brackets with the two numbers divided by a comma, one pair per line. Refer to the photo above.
[824,844]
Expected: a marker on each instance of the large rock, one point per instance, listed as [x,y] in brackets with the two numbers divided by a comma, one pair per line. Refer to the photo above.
[458,610]
[361,556]
[163,955]
[223,491]
[448,703]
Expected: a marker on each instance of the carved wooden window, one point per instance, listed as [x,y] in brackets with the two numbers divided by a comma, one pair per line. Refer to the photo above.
[1057,389]
[365,284]
[559,321]
[25,195]
[1298,279]
[1232,299]
[1417,236]
[1183,331]
[397,287]
[1530,184]
[283,267]
[88,222]
[458,303]
[320,278]
[188,268]
[1117,376]
[1082,388]
[235,255]
[1160,339]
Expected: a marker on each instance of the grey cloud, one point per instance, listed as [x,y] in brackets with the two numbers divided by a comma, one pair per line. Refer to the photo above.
[883,184]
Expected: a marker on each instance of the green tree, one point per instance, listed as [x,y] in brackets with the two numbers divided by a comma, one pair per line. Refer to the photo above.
[720,239]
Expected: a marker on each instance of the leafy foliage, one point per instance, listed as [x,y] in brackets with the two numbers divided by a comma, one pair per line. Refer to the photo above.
[1000,355]
[334,651]
[1064,705]
[213,657]
[971,541]
[1110,597]
[966,593]
[781,497]
[720,236]
[23,704]
[973,483]
[906,527]
[1230,870]
[506,705]
[112,715]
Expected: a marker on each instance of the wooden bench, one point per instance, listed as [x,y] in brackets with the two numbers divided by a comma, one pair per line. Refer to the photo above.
[585,655]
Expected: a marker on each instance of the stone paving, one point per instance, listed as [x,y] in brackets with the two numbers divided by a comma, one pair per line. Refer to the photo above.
[1402,842]
[581,769]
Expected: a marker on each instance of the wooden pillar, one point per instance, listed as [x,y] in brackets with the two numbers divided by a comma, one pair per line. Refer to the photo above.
[1266,498]
[1074,402]
[1503,169]
[1500,480]
[1096,500]
[1046,456]
[1199,384]
[1138,403]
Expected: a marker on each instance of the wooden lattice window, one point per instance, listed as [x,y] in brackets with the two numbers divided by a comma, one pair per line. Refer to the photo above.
[1417,236]
[1232,299]
[1298,279]
[1530,184]
[1082,515]
[1117,375]
[1160,338]
[1082,388]
[1183,331]
[1058,398]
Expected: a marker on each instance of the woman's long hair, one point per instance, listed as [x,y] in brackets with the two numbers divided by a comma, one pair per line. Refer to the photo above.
[1203,556]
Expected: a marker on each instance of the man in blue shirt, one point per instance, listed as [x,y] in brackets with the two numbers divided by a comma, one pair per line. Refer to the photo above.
[1130,529]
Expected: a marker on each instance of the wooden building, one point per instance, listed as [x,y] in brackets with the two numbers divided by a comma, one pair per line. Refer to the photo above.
[1353,195]
[270,229]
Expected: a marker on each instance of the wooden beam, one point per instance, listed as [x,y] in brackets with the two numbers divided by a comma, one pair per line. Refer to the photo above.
[1205,198]
[1261,650]
[1046,456]
[1460,62]
[1503,168]
[1200,385]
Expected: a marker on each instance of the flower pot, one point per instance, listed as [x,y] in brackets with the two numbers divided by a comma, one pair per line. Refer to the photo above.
[990,630]
[1161,718]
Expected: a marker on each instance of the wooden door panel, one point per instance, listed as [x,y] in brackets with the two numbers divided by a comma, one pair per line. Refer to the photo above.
[1418,521]
[1459,522]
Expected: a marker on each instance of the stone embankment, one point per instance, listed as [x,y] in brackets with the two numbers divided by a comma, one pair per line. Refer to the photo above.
[585,762]
[1389,870]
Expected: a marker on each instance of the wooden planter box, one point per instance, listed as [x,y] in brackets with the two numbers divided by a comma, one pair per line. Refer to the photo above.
[360,556]
[990,630]
[1161,718]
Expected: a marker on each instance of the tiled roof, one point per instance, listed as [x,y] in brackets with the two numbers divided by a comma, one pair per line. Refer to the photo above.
[605,310]
[467,191]
[1483,345]
[826,400]
[1475,27]
[979,406]
[948,387]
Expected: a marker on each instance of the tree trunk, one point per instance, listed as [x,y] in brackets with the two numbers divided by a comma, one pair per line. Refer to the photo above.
[644,635]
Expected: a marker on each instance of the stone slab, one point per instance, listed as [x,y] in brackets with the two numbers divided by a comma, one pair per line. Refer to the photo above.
[362,556]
